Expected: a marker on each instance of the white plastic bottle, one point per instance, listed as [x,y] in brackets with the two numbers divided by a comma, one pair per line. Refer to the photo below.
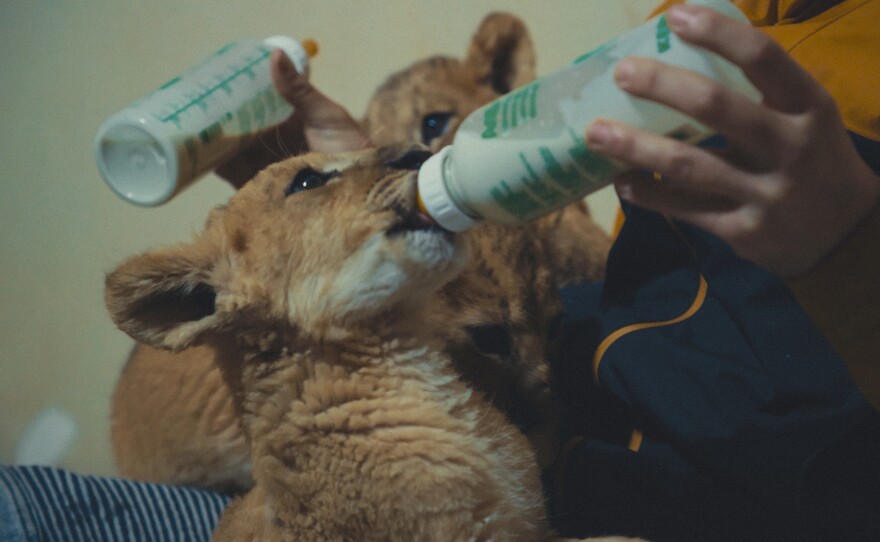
[523,155]
[153,149]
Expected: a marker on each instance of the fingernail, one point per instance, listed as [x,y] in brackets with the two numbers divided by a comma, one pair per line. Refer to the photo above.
[624,188]
[285,65]
[601,136]
[680,17]
[624,72]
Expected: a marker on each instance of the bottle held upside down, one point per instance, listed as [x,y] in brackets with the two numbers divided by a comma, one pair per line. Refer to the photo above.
[153,149]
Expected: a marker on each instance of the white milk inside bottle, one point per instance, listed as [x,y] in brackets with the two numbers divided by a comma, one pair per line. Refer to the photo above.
[523,155]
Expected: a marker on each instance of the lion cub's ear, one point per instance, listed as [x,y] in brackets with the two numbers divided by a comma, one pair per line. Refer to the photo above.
[165,298]
[501,53]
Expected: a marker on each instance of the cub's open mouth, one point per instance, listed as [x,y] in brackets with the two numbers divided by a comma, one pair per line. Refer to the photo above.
[416,221]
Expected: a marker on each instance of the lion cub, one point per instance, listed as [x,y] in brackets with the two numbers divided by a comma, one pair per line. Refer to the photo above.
[311,286]
[173,417]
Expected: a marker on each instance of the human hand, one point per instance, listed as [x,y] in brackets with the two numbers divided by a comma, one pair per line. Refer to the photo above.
[790,186]
[317,124]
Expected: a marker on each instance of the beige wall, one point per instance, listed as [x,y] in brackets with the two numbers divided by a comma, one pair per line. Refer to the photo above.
[67,65]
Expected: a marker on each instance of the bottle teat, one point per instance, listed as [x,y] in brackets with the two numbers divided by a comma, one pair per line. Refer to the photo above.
[311,47]
[434,197]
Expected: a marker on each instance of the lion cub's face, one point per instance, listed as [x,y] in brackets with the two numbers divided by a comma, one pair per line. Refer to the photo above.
[339,238]
[438,92]
[426,102]
[316,243]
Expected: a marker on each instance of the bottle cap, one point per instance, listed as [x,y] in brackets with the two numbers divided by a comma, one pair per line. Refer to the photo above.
[294,50]
[135,161]
[435,196]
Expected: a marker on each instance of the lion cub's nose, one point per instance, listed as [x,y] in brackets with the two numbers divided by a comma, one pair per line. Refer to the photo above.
[412,159]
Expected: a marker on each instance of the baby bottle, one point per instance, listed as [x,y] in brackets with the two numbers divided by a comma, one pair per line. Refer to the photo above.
[523,155]
[153,149]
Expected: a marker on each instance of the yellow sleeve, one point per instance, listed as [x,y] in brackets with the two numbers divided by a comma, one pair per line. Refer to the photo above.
[838,42]
[771,12]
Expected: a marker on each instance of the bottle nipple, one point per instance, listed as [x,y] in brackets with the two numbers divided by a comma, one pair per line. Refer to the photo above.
[434,198]
[422,208]
[310,46]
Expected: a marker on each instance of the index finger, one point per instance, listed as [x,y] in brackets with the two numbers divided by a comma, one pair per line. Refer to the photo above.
[786,86]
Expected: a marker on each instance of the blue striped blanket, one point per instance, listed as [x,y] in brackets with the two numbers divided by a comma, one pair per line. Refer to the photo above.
[44,504]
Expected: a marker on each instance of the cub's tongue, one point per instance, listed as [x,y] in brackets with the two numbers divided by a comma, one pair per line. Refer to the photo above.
[416,220]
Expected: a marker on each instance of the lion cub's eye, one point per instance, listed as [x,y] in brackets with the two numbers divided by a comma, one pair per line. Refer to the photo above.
[434,125]
[308,178]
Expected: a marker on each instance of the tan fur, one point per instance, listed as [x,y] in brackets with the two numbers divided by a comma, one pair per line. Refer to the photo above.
[358,423]
[500,58]
[359,427]
[173,419]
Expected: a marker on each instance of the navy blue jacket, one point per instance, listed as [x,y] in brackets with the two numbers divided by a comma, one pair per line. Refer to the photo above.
[702,404]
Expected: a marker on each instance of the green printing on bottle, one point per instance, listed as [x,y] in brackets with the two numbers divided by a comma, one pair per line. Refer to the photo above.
[225,49]
[170,83]
[663,35]
[516,108]
[520,204]
[537,194]
[545,191]
[592,53]
[595,165]
[255,113]
[571,179]
[508,120]
[222,84]
[490,121]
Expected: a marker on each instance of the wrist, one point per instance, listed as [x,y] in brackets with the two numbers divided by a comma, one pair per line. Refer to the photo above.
[841,293]
[859,208]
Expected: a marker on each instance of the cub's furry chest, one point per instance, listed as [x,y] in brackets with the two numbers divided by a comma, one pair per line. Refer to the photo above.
[375,390]
[372,424]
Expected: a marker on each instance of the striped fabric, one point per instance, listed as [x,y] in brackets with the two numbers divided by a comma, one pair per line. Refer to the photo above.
[46,504]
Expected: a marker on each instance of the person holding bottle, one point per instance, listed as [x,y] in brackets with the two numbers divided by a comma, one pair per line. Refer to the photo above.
[797,198]
[705,401]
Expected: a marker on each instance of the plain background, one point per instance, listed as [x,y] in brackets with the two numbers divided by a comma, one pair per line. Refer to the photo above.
[65,66]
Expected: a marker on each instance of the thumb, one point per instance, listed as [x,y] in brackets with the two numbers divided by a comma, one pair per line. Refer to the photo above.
[328,126]
[294,86]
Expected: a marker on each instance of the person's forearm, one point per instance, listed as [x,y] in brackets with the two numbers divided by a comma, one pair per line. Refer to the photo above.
[842,296]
